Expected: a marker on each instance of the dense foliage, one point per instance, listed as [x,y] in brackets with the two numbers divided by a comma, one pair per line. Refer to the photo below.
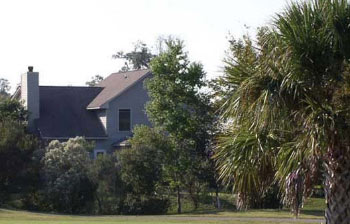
[139,58]
[105,176]
[4,88]
[66,173]
[127,182]
[293,87]
[282,126]
[142,172]
[179,108]
[142,165]
[95,80]
[16,148]
[246,159]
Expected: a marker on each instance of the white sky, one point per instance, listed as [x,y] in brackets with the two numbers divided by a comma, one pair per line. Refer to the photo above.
[69,41]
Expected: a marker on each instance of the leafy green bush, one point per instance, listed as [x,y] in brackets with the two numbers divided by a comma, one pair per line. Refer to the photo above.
[16,148]
[145,205]
[105,175]
[271,198]
[142,173]
[68,187]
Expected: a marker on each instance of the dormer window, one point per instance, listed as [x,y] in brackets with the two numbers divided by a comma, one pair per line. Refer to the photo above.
[124,120]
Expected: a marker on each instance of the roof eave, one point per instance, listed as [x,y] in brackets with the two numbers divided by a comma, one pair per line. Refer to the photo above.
[93,108]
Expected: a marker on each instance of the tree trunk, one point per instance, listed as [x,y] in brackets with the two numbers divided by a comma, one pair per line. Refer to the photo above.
[337,187]
[218,203]
[99,204]
[193,196]
[178,200]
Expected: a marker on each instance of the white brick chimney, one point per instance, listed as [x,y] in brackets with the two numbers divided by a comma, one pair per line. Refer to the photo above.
[30,95]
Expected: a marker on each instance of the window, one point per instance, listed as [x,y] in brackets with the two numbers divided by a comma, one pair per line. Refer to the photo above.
[99,152]
[124,120]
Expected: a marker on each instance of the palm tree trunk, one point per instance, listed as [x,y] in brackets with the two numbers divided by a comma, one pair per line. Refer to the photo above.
[337,187]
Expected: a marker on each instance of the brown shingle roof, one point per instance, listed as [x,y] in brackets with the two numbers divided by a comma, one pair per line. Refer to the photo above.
[115,84]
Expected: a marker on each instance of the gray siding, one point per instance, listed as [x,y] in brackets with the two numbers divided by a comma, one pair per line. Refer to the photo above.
[135,99]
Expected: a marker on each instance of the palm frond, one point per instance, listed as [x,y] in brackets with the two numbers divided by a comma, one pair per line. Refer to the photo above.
[245,162]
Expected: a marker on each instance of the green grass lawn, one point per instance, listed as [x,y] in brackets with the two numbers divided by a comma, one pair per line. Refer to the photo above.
[22,217]
[313,209]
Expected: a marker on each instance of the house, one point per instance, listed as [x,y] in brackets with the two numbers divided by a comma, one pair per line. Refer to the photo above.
[105,114]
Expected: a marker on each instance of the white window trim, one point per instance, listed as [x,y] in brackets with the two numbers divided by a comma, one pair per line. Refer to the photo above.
[118,109]
[96,151]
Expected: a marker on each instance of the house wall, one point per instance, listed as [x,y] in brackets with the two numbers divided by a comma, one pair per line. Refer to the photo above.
[135,99]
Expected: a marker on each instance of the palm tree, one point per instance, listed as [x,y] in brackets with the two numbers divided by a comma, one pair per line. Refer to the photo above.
[296,91]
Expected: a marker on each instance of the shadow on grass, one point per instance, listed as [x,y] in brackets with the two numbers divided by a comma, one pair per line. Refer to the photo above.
[206,206]
[206,211]
[313,212]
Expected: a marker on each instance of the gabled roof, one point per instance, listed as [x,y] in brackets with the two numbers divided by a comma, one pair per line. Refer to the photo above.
[115,84]
[63,113]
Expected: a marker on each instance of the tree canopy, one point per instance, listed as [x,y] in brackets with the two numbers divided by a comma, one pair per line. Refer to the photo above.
[295,90]
[16,146]
[178,108]
[94,81]
[4,87]
[139,58]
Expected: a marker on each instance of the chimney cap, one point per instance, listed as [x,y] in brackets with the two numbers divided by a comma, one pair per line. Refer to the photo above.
[30,68]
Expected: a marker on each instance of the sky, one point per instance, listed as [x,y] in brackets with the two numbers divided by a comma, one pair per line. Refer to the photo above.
[69,41]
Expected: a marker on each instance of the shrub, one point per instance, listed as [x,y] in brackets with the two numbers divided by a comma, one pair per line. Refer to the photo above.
[144,205]
[68,187]
[16,148]
[141,172]
[104,174]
